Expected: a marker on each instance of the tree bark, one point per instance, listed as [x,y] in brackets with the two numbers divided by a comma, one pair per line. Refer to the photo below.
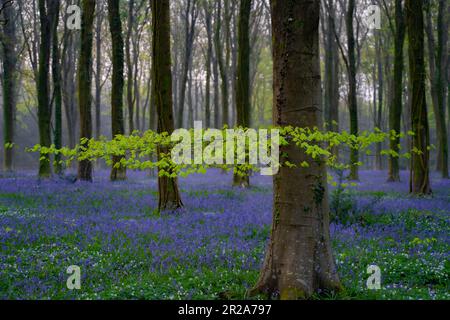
[44,110]
[8,41]
[117,122]
[243,78]
[419,180]
[84,83]
[299,259]
[57,93]
[169,195]
[352,99]
[395,110]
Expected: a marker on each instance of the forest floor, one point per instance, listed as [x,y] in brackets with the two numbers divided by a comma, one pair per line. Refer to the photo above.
[215,245]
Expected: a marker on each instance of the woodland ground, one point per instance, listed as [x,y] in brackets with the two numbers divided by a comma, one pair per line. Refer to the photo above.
[215,245]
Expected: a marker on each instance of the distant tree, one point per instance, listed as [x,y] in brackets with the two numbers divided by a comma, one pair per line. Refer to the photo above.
[207,9]
[85,82]
[299,259]
[420,171]
[169,195]
[243,78]
[117,122]
[8,42]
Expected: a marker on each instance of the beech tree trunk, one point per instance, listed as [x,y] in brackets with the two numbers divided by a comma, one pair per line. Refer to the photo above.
[57,91]
[117,122]
[299,259]
[396,106]
[243,78]
[85,82]
[8,43]
[352,99]
[44,109]
[420,171]
[169,195]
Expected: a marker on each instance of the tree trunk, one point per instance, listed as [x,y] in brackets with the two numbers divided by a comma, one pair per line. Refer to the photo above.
[243,79]
[395,110]
[209,52]
[419,181]
[84,82]
[441,64]
[98,71]
[169,195]
[352,101]
[299,260]
[8,42]
[222,64]
[130,102]
[117,123]
[190,19]
[331,83]
[57,94]
[44,110]
[379,109]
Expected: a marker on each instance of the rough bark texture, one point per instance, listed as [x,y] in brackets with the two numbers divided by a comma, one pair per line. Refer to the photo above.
[396,106]
[98,70]
[419,181]
[9,81]
[85,81]
[169,195]
[117,122]
[298,260]
[243,78]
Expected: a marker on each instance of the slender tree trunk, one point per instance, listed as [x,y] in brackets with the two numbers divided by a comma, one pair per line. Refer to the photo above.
[243,79]
[331,83]
[299,259]
[208,25]
[395,110]
[352,99]
[169,195]
[420,181]
[69,85]
[441,64]
[57,93]
[379,109]
[117,123]
[222,64]
[8,41]
[44,110]
[98,71]
[130,102]
[84,83]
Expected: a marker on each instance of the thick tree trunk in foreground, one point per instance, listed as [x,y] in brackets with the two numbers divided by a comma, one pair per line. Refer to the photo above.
[395,110]
[298,260]
[243,78]
[169,195]
[84,82]
[9,81]
[117,122]
[419,180]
